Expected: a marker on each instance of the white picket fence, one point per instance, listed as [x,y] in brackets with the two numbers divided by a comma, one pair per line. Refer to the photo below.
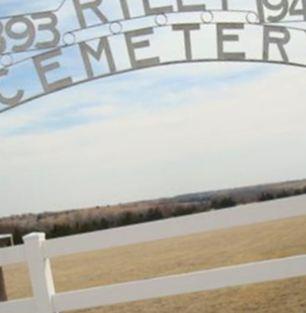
[37,252]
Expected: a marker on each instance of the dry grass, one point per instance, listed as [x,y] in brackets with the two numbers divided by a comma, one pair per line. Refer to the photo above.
[192,253]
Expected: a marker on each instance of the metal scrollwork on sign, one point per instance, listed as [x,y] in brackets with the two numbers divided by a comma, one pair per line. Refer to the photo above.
[40,43]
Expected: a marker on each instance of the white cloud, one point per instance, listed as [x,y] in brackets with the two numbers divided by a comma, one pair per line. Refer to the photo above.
[154,133]
[199,139]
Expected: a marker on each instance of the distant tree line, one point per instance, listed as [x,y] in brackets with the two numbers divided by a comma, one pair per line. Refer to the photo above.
[77,222]
[66,228]
[267,196]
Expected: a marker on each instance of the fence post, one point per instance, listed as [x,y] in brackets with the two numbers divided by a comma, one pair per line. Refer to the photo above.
[3,294]
[40,272]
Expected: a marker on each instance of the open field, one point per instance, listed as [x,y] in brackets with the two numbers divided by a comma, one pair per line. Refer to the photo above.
[192,253]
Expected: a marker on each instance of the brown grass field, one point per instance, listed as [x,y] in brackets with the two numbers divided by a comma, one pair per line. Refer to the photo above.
[203,251]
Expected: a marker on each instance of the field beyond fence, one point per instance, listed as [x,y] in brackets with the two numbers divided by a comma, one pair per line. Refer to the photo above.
[243,244]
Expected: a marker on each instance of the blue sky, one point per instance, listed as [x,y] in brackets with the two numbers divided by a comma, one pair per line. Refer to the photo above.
[154,133]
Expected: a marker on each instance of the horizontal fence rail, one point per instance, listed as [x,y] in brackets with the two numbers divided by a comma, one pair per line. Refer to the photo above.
[181,284]
[12,255]
[19,306]
[37,251]
[174,227]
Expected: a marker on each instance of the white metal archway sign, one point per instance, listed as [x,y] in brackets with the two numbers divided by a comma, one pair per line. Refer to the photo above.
[40,55]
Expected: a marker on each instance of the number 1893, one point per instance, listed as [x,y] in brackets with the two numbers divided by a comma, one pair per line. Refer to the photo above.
[18,34]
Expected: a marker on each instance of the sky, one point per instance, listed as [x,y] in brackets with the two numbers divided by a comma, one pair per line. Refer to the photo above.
[153,133]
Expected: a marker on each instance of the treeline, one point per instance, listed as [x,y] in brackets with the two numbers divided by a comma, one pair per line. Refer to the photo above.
[266,196]
[82,221]
[92,222]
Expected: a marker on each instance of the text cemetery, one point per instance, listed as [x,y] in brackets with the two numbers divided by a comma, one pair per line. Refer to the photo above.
[176,32]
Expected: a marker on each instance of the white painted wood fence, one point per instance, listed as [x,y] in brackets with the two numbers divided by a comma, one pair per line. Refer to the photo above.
[37,252]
